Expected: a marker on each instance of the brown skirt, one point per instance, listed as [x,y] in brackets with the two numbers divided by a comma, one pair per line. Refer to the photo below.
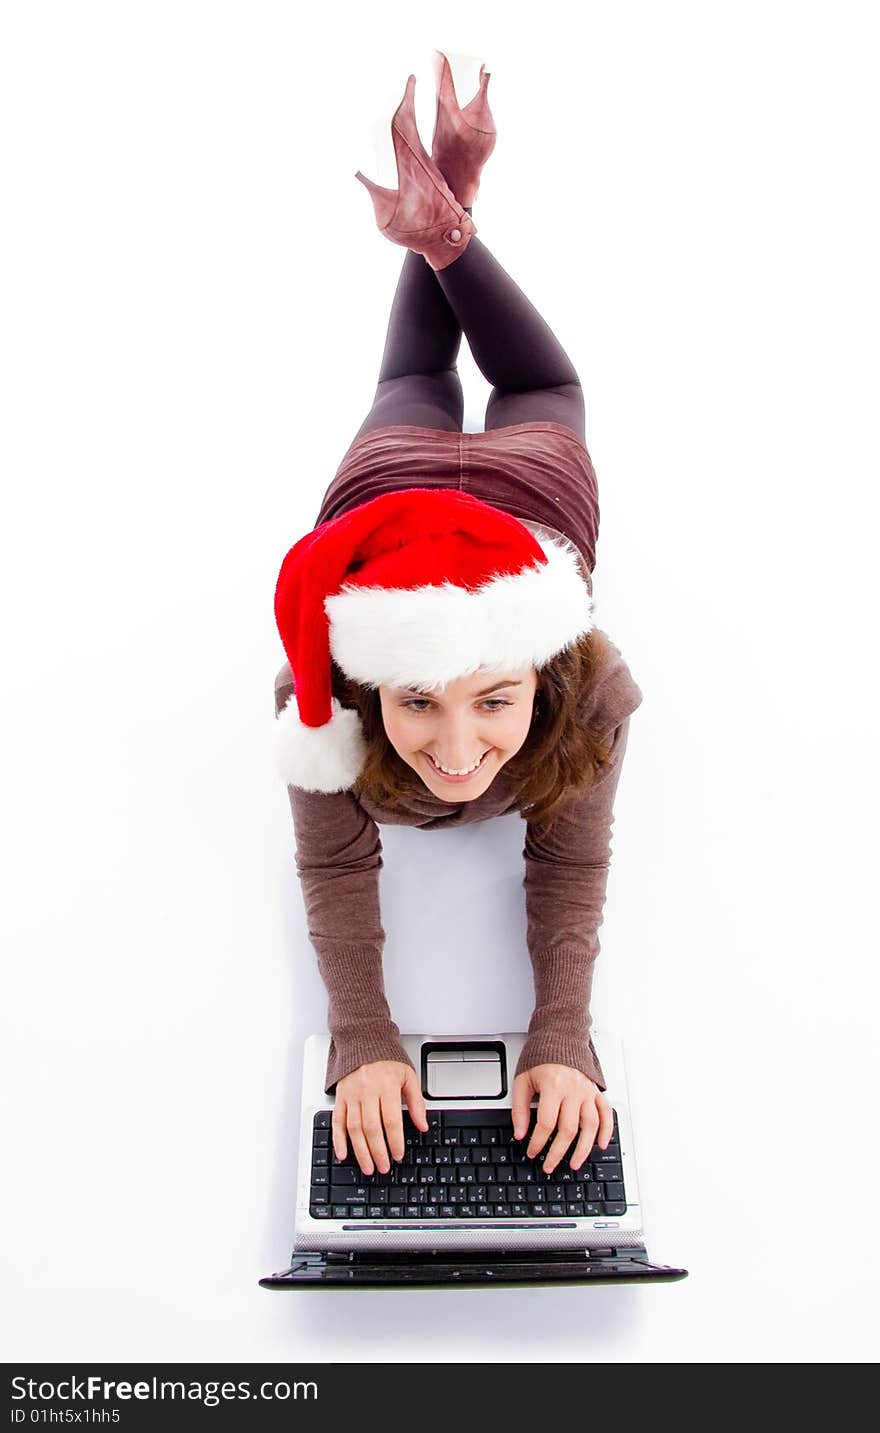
[539,472]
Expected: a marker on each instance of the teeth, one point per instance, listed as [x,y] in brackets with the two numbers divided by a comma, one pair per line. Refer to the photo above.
[448,770]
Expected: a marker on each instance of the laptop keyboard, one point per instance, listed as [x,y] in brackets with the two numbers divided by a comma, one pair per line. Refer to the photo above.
[467,1165]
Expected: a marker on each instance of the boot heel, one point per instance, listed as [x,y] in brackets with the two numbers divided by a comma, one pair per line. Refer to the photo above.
[384,200]
[463,138]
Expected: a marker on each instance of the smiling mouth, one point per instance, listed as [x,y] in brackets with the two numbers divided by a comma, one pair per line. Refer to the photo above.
[450,777]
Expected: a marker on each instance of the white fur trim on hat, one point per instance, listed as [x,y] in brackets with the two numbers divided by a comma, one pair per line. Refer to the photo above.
[428,636]
[319,758]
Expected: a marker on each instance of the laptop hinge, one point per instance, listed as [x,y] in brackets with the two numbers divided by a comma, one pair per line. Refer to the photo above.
[314,1259]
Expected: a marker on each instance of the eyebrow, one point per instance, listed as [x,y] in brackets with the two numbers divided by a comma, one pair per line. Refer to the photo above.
[415,691]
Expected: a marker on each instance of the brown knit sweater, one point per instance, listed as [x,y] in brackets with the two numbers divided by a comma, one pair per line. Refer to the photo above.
[339,856]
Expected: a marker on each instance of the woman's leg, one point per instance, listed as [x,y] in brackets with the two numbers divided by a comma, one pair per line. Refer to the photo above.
[418,380]
[515,349]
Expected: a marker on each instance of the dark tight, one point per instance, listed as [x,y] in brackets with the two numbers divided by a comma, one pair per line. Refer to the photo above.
[517,352]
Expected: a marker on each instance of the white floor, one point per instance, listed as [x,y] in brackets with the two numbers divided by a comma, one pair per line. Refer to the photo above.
[195,298]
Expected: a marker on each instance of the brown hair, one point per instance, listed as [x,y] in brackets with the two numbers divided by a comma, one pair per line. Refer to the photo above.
[559,757]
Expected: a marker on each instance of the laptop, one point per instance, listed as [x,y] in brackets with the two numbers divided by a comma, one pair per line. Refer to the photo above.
[465,1205]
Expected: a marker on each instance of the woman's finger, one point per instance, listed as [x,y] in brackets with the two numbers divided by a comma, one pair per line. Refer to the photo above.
[392,1118]
[545,1123]
[358,1142]
[589,1125]
[606,1120]
[567,1127]
[340,1148]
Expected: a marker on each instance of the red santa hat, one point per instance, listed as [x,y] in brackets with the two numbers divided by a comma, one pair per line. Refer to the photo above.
[413,589]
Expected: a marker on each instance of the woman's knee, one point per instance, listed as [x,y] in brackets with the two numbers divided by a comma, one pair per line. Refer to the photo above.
[564,403]
[422,400]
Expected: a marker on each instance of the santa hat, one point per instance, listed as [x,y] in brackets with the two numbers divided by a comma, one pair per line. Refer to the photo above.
[412,589]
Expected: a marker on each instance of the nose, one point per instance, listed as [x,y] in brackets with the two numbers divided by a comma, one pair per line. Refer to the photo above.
[458,743]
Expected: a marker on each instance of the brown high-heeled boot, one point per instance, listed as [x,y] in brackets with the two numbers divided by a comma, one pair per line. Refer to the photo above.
[463,138]
[422,214]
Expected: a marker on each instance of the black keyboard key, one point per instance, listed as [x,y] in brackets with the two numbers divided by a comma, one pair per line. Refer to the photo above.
[575,1211]
[484,1211]
[525,1174]
[376,1211]
[461,1119]
[485,1174]
[442,1156]
[395,1211]
[412,1211]
[345,1176]
[608,1171]
[496,1194]
[339,1211]
[319,1177]
[323,1119]
[447,1211]
[592,1209]
[321,1138]
[501,1156]
[348,1194]
[461,1155]
[491,1136]
[320,1211]
[556,1208]
[320,1157]
[613,1191]
[465,1211]
[323,1196]
[615,1206]
[520,1210]
[357,1211]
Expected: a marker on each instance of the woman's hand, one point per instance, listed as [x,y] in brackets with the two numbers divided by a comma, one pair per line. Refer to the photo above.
[567,1102]
[370,1098]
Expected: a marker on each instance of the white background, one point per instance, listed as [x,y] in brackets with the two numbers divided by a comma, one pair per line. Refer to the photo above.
[194,301]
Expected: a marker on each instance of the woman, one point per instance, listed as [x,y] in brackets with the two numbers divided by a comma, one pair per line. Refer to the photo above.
[443,565]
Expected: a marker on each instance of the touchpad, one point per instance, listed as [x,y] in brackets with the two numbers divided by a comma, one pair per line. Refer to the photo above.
[461,1073]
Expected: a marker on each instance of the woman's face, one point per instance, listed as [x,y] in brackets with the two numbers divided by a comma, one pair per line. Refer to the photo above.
[464,725]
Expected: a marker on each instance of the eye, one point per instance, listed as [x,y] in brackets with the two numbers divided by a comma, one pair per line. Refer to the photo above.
[494,703]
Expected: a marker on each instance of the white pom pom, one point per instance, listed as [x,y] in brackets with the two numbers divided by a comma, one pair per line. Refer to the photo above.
[319,758]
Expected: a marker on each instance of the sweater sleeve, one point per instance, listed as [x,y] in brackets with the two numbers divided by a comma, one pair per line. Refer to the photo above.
[338,860]
[566,873]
